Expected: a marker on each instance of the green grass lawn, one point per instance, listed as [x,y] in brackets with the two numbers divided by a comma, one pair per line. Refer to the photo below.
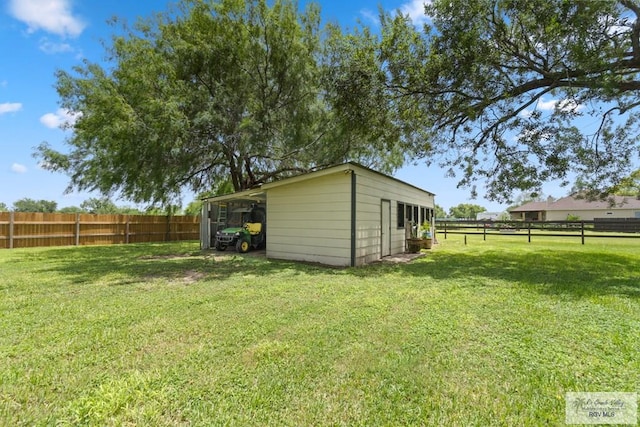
[492,333]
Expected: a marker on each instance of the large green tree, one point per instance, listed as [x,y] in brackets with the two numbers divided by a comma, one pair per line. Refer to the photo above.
[629,186]
[32,205]
[466,211]
[219,90]
[516,93]
[439,212]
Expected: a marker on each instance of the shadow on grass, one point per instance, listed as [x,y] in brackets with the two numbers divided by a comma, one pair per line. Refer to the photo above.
[141,262]
[579,274]
[566,272]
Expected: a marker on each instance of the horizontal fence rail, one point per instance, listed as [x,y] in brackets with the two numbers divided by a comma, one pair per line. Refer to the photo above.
[601,228]
[26,230]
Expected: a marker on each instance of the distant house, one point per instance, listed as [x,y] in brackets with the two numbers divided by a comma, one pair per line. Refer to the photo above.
[490,216]
[570,206]
[345,215]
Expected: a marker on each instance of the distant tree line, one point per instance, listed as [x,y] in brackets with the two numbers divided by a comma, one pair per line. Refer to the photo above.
[460,211]
[102,205]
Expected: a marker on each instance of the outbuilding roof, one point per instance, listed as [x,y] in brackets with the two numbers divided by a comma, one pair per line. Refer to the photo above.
[259,191]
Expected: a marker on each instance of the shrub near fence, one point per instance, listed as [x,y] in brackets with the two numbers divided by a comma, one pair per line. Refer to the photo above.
[25,229]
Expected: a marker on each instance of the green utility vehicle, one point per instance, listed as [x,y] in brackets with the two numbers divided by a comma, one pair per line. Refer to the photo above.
[246,229]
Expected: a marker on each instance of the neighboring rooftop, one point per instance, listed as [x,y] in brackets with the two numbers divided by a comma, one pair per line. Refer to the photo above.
[577,204]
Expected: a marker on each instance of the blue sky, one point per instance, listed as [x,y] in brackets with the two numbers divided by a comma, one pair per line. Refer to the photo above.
[38,37]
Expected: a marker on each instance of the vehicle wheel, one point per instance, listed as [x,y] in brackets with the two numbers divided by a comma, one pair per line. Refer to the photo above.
[221,247]
[242,246]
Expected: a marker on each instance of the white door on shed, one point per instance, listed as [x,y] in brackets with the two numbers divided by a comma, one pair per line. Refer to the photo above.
[385,227]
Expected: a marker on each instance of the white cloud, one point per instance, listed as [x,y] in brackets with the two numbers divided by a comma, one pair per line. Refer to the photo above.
[415,10]
[18,168]
[10,107]
[51,48]
[546,105]
[53,16]
[526,113]
[61,118]
[570,105]
[563,105]
[370,16]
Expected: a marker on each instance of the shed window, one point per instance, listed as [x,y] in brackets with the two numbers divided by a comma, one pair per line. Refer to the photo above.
[408,212]
[400,215]
[425,214]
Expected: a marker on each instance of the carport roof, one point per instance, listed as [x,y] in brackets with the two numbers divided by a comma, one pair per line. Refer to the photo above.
[252,195]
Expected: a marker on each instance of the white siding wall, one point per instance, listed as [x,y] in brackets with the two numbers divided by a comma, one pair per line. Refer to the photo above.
[311,220]
[590,214]
[371,189]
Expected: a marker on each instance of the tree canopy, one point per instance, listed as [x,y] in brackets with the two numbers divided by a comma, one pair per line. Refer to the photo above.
[511,94]
[629,186]
[517,93]
[31,205]
[466,211]
[233,89]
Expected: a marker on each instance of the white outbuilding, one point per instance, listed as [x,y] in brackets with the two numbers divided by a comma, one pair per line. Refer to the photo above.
[345,215]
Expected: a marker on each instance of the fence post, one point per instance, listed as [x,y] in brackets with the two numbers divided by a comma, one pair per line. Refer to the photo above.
[77,233]
[582,231]
[529,230]
[445,230]
[126,229]
[11,221]
[484,232]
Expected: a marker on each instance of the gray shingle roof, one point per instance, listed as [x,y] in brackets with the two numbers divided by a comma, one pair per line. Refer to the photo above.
[572,203]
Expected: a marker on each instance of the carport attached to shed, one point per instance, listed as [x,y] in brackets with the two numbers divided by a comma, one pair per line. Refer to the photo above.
[345,215]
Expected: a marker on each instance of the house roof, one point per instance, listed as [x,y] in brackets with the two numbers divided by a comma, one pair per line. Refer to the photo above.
[531,207]
[259,191]
[571,203]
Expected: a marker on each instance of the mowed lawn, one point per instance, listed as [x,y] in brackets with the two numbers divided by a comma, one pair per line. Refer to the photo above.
[492,333]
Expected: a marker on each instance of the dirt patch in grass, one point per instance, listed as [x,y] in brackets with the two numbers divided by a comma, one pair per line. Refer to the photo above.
[168,256]
[192,276]
[188,277]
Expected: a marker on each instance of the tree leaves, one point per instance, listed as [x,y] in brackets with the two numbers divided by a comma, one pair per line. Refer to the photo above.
[222,90]
[508,93]
[485,75]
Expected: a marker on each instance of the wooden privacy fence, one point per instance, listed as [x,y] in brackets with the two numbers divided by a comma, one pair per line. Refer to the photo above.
[610,228]
[25,229]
